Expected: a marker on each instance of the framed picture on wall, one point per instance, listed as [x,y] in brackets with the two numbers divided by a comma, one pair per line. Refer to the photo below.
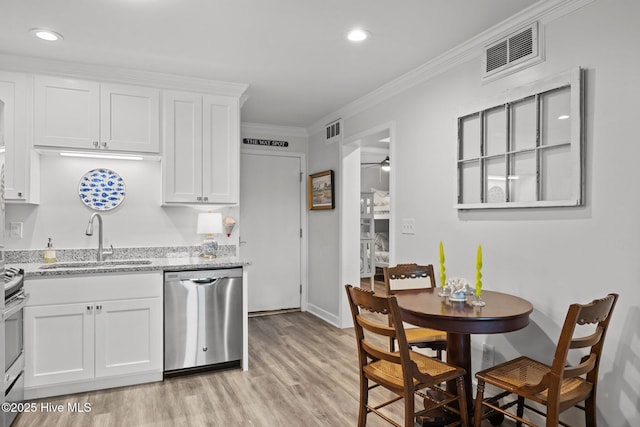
[321,191]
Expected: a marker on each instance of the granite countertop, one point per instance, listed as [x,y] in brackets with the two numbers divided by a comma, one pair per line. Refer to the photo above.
[126,260]
[110,266]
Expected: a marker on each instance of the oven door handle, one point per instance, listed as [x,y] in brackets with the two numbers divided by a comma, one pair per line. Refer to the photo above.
[13,283]
[14,305]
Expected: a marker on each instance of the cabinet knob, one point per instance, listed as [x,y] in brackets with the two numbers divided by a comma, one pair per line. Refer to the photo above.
[104,144]
[206,199]
[205,348]
[98,307]
[199,198]
[89,308]
[95,144]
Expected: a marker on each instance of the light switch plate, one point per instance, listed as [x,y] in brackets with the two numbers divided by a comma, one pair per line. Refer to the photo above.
[16,230]
[408,226]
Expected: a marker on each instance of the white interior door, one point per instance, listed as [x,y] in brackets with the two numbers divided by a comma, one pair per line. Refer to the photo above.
[270,229]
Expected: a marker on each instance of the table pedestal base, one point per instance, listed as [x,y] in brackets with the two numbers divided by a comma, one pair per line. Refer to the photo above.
[458,349]
[435,418]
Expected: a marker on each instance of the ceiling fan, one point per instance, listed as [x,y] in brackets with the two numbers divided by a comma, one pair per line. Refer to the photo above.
[385,165]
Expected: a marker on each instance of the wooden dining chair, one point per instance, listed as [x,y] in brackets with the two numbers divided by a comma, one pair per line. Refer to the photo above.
[404,372]
[557,387]
[413,276]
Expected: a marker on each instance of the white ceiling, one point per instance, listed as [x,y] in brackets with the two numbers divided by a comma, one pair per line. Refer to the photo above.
[292,53]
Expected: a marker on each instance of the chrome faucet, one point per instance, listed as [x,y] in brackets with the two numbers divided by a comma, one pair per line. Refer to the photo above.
[89,232]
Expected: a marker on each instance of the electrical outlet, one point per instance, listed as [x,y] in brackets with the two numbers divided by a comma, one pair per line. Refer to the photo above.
[488,355]
[408,226]
[16,230]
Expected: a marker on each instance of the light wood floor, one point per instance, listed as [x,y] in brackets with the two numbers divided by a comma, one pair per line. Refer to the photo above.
[302,372]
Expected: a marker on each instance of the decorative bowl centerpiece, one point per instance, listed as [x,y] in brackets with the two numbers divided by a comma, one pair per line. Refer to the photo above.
[458,289]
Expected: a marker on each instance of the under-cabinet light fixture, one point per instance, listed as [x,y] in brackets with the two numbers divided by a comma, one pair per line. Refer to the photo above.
[100,155]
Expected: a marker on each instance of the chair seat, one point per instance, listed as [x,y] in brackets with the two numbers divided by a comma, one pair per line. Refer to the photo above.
[523,371]
[391,373]
[420,335]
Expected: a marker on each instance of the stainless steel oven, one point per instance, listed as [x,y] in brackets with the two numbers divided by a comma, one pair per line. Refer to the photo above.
[13,316]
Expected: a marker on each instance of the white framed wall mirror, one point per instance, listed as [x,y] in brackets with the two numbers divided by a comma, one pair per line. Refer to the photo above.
[525,151]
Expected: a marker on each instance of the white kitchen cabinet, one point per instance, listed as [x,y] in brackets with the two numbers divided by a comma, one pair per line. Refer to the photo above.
[22,164]
[92,332]
[201,148]
[128,336]
[60,342]
[80,114]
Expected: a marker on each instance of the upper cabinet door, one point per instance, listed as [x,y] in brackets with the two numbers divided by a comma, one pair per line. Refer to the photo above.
[20,183]
[66,112]
[129,118]
[82,114]
[182,160]
[220,149]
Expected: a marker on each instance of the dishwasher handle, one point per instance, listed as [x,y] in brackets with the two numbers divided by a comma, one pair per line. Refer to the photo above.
[205,281]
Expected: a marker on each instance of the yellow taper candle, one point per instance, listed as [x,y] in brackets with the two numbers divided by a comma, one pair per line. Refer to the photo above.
[478,271]
[443,276]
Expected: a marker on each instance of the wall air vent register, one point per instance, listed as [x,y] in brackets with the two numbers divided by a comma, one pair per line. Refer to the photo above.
[333,131]
[511,53]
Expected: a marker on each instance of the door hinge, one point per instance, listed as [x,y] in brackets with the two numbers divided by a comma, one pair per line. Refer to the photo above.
[300,288]
[300,176]
[301,233]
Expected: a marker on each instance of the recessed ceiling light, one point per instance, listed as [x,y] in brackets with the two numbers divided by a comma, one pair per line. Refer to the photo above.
[357,35]
[48,35]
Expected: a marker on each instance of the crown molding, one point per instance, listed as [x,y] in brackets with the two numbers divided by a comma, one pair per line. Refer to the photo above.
[273,130]
[119,75]
[543,11]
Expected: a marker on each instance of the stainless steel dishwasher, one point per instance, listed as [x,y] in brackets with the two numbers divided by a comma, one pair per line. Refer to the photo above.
[202,320]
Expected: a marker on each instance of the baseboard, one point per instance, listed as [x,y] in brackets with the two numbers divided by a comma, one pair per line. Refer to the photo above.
[89,385]
[324,315]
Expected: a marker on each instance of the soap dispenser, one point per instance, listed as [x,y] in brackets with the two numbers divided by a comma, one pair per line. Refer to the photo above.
[49,253]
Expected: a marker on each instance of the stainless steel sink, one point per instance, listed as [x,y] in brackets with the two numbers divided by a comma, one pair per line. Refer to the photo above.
[94,264]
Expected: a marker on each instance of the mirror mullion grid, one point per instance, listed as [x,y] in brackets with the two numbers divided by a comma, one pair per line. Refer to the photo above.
[507,160]
[483,148]
[538,144]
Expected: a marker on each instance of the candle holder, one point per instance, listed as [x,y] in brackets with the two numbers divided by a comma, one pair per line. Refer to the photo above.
[478,301]
[444,291]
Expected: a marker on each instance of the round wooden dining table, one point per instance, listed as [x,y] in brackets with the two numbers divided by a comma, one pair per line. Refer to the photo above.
[501,313]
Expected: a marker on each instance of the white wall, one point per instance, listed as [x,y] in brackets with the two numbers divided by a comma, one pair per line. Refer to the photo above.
[139,221]
[552,257]
[323,226]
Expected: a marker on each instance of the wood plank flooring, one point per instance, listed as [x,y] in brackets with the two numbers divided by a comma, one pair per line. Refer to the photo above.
[302,372]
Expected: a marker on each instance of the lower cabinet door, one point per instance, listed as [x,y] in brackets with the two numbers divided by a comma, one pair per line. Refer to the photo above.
[59,344]
[128,337]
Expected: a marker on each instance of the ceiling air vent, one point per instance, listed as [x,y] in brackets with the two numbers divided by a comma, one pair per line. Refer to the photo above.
[333,131]
[511,53]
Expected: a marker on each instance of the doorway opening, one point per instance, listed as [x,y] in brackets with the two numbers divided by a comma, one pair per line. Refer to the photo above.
[375,208]
[358,177]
